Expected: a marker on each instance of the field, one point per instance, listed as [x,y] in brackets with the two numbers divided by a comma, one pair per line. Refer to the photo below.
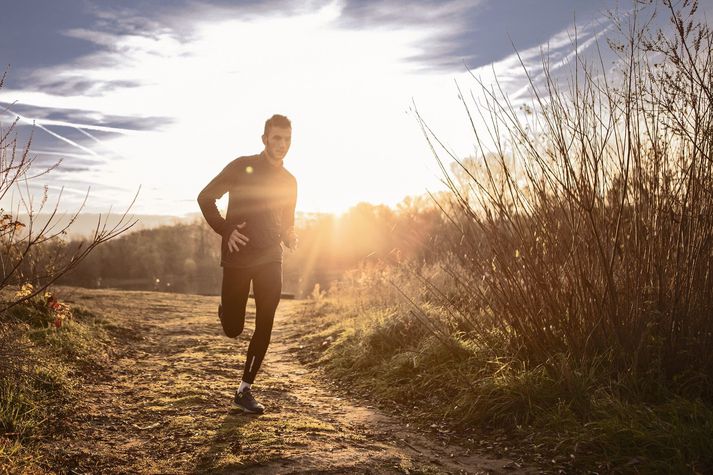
[548,310]
[159,400]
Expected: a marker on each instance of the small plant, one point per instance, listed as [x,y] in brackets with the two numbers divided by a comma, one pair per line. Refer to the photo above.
[317,294]
[43,310]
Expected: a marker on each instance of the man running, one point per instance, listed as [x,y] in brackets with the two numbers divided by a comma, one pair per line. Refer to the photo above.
[260,216]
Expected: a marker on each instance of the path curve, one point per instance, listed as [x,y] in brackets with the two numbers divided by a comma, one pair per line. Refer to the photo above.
[164,403]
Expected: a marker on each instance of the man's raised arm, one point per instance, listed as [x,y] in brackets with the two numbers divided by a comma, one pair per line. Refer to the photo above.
[213,191]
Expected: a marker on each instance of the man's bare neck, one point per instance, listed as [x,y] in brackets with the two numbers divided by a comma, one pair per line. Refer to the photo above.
[272,161]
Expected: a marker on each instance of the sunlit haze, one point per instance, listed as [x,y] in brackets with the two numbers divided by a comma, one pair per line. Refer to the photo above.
[166,102]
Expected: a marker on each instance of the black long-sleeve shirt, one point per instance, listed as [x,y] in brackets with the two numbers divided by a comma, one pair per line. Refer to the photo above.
[263,196]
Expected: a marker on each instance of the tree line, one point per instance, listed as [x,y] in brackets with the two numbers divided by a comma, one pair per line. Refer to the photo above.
[186,257]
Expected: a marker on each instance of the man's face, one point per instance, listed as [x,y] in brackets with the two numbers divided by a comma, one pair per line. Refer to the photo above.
[277,142]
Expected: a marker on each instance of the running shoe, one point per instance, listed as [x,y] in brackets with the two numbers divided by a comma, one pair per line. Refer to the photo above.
[245,401]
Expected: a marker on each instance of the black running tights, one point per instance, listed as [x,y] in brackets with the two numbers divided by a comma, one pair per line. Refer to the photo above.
[267,287]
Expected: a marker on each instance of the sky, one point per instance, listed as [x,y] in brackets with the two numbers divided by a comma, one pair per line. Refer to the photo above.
[157,97]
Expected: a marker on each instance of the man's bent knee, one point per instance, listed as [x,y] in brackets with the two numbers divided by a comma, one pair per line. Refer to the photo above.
[232,325]
[232,332]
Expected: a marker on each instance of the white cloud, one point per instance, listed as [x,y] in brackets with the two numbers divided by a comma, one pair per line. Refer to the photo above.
[348,93]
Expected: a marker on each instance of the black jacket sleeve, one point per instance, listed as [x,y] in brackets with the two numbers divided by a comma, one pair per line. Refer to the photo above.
[213,191]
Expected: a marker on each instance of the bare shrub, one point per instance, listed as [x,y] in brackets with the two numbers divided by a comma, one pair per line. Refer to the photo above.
[586,223]
[34,251]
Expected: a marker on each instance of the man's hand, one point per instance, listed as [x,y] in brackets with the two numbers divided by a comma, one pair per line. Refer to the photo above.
[291,240]
[237,238]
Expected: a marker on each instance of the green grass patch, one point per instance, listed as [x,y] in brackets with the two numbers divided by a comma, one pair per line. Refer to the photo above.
[671,437]
[40,374]
[573,414]
[20,411]
[74,340]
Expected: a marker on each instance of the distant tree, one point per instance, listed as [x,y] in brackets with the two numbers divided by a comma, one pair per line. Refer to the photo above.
[151,259]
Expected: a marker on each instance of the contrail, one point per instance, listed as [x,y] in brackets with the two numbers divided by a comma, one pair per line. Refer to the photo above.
[100,142]
[54,134]
[82,128]
[586,43]
[89,135]
[60,154]
[98,128]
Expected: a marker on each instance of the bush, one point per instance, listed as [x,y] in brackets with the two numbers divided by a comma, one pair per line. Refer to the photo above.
[587,228]
[35,252]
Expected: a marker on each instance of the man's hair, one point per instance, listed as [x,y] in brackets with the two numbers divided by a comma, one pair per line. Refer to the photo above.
[277,120]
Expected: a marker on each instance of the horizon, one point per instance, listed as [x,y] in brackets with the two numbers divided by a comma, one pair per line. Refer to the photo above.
[85,223]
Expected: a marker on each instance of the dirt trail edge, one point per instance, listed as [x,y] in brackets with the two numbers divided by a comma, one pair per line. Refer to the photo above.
[164,403]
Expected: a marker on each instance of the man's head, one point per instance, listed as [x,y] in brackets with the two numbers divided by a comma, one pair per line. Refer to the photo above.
[277,137]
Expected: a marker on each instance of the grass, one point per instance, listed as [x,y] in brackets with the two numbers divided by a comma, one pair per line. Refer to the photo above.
[241,443]
[40,377]
[32,405]
[558,412]
[14,458]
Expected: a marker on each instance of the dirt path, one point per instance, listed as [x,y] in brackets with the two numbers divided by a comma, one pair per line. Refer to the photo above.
[164,404]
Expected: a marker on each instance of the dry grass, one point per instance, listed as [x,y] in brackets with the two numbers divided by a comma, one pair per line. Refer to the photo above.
[586,226]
